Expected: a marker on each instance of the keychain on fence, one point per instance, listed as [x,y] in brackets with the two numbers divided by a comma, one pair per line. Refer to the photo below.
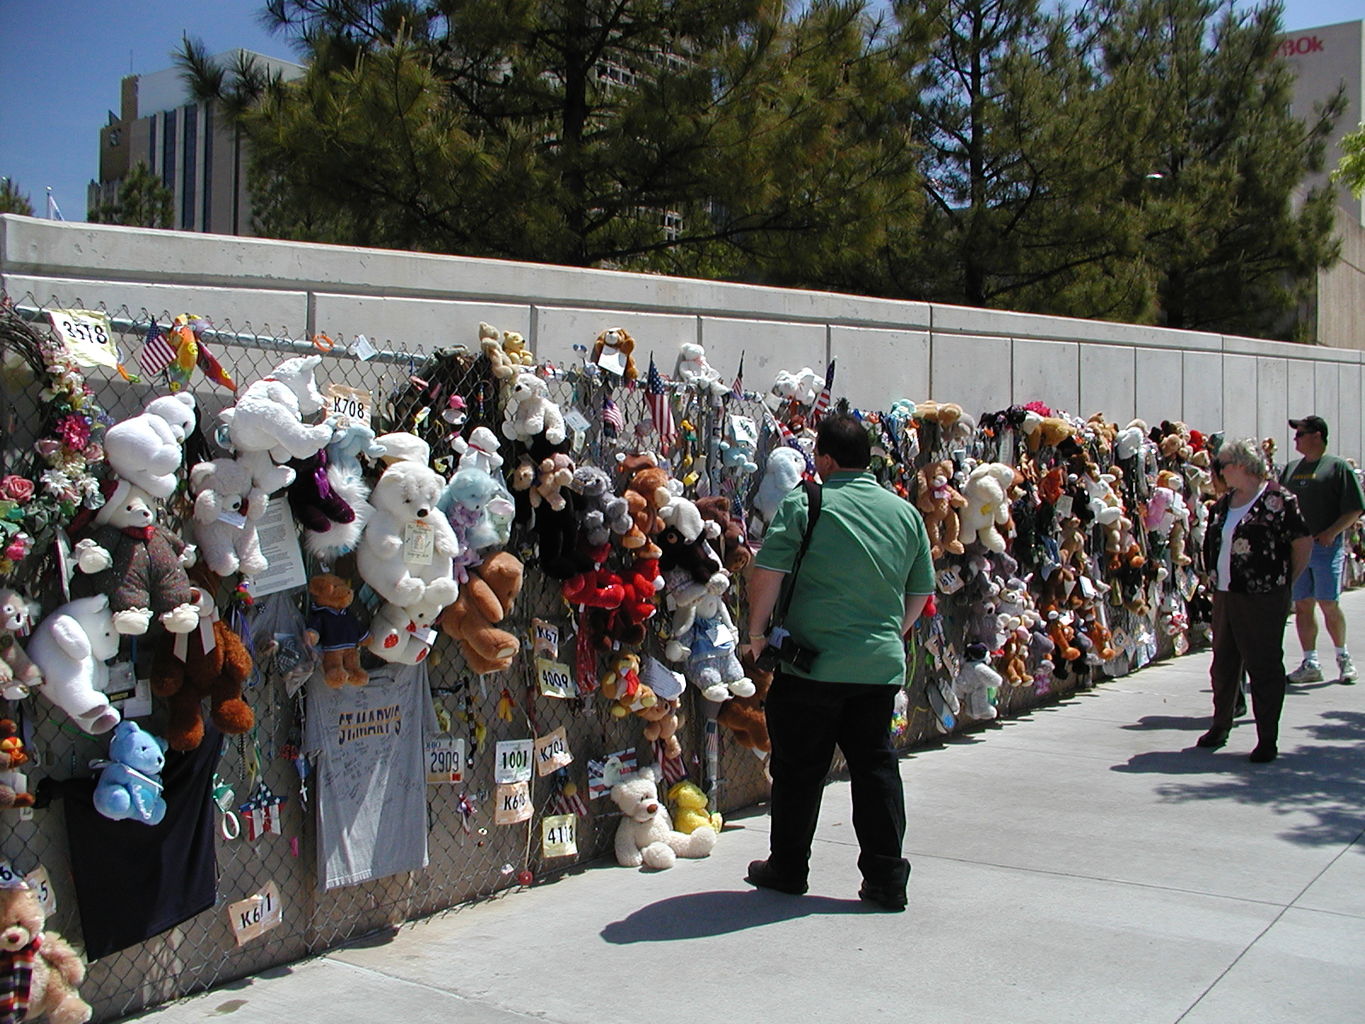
[229,826]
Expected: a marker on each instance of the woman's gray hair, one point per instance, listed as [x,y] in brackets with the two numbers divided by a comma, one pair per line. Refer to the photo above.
[1245,452]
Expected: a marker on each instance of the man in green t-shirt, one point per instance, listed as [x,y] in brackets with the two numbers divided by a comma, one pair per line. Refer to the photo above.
[860,586]
[1331,500]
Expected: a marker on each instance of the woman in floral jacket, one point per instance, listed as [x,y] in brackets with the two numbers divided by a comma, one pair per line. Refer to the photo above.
[1256,543]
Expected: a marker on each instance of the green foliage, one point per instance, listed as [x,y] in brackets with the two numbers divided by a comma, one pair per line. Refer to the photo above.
[1351,170]
[143,201]
[12,200]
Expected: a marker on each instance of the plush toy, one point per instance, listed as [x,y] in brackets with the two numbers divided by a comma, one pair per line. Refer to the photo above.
[316,506]
[12,756]
[732,542]
[688,803]
[266,425]
[70,647]
[601,514]
[703,637]
[1051,432]
[684,540]
[146,449]
[938,501]
[739,447]
[479,510]
[18,674]
[40,967]
[485,601]
[211,662]
[646,834]
[226,509]
[346,478]
[514,348]
[801,387]
[406,551]
[621,685]
[404,634]
[529,412]
[334,629]
[130,782]
[987,505]
[661,724]
[974,679]
[145,570]
[490,344]
[784,470]
[481,451]
[553,474]
[614,351]
[695,370]
[744,716]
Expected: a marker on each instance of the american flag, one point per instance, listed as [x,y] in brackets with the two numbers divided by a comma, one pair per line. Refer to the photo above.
[612,420]
[671,769]
[157,352]
[737,388]
[823,399]
[660,407]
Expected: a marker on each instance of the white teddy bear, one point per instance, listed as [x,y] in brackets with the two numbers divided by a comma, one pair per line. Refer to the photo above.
[783,472]
[146,449]
[266,425]
[71,647]
[802,386]
[646,834]
[530,412]
[695,370]
[407,551]
[227,507]
[988,507]
[403,635]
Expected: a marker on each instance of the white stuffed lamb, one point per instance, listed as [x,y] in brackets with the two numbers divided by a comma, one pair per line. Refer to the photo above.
[266,425]
[146,449]
[407,552]
[71,647]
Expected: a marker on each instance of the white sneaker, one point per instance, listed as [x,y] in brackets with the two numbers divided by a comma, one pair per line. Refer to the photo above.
[1346,670]
[1308,672]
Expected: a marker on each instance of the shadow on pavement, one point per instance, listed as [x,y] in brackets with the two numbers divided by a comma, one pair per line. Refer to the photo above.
[700,914]
[1169,722]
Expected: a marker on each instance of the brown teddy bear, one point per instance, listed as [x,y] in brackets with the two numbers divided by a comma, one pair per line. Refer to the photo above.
[661,723]
[735,549]
[218,674]
[485,600]
[937,500]
[12,755]
[744,716]
[620,349]
[40,968]
[336,631]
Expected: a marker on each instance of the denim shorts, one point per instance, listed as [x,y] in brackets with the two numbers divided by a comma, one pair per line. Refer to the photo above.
[1322,579]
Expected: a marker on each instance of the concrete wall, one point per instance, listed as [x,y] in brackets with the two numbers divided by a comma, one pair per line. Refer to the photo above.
[983,359]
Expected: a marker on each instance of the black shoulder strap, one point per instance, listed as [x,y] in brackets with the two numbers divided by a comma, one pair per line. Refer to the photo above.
[812,490]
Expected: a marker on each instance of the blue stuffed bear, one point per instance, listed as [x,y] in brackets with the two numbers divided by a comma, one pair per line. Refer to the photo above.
[130,785]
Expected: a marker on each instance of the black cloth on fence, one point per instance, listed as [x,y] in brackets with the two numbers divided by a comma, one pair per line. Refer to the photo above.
[134,881]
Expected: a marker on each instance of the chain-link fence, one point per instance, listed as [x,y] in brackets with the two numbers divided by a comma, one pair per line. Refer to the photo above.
[470,856]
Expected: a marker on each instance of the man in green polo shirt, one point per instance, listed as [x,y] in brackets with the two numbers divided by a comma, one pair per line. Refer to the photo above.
[861,585]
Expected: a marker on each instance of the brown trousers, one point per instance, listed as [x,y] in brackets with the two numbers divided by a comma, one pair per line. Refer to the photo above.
[1248,634]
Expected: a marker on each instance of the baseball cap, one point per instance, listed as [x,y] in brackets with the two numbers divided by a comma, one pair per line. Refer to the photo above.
[1313,424]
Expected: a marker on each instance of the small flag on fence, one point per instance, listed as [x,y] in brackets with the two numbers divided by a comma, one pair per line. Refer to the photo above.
[660,406]
[823,399]
[671,769]
[737,388]
[612,420]
[157,352]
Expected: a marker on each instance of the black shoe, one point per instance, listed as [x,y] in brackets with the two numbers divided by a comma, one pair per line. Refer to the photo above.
[1263,755]
[887,897]
[763,876]
[1213,739]
[1240,708]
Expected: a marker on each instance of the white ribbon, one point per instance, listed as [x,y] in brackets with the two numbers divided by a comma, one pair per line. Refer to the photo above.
[208,615]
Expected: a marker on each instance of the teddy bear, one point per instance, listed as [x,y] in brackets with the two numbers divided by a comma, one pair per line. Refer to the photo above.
[731,540]
[661,725]
[211,662]
[553,474]
[601,514]
[52,967]
[490,344]
[739,446]
[71,647]
[684,542]
[784,470]
[479,510]
[404,634]
[266,425]
[346,478]
[226,509]
[614,351]
[801,387]
[514,348]
[703,637]
[973,681]
[144,574]
[529,412]
[406,552]
[146,449]
[987,505]
[1051,432]
[688,804]
[744,716]
[696,371]
[937,501]
[481,451]
[334,630]
[621,685]
[650,483]
[18,674]
[646,835]
[129,786]
[485,601]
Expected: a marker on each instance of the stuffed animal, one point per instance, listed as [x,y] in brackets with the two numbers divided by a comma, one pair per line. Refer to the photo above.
[1051,432]
[346,478]
[185,675]
[70,647]
[974,679]
[621,685]
[404,634]
[145,574]
[688,804]
[484,602]
[227,507]
[731,540]
[695,370]
[784,470]
[52,968]
[529,412]
[739,447]
[317,508]
[481,451]
[130,782]
[661,725]
[514,348]
[13,785]
[802,386]
[938,501]
[18,674]
[646,834]
[406,551]
[334,629]
[480,512]
[614,351]
[601,514]
[490,344]
[684,540]
[650,483]
[703,637]
[146,449]
[987,505]
[553,474]
[266,425]
[744,716]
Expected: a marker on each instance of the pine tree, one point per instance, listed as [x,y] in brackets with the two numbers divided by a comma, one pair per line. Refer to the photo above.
[12,200]
[143,201]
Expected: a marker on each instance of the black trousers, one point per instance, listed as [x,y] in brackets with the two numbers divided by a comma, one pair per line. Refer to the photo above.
[806,719]
[1248,634]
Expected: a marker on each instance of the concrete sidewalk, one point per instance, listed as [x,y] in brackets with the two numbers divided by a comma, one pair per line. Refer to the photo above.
[1084,863]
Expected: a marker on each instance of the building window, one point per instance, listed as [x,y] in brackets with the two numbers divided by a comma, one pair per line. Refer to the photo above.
[168,149]
[115,137]
[206,221]
[189,177]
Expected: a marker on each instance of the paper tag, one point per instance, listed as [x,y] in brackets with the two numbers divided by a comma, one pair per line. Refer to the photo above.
[257,914]
[419,544]
[42,886]
[612,360]
[950,580]
[556,680]
[233,519]
[559,835]
[512,803]
[138,703]
[349,405]
[743,429]
[552,752]
[1087,588]
[545,638]
[122,681]
[575,420]
[513,761]
[1063,507]
[9,878]
[87,336]
[604,774]
[445,760]
[279,539]
[362,349]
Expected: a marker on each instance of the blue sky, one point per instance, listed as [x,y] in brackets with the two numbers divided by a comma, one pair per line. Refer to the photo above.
[63,59]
